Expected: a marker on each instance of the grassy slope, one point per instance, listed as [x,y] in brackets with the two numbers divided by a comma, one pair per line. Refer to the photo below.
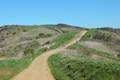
[110,38]
[101,35]
[22,39]
[9,68]
[84,67]
[13,67]
[63,38]
[91,51]
[15,39]
[67,68]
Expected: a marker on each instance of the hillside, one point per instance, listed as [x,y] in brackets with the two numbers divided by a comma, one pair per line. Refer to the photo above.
[95,57]
[20,45]
[110,38]
[16,39]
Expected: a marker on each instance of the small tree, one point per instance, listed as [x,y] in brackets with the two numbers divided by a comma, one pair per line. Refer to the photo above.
[29,51]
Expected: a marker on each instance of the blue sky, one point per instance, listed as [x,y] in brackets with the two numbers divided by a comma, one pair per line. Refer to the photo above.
[85,13]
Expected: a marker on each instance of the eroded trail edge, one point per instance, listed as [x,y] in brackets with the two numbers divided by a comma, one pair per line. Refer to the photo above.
[39,69]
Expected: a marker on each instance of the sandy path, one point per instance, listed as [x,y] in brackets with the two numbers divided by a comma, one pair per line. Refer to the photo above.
[39,69]
[3,58]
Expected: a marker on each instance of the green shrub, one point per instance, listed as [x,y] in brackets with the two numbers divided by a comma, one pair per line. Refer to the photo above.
[98,35]
[29,51]
[42,35]
[67,68]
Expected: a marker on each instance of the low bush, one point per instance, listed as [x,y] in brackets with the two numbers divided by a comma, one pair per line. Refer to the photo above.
[67,68]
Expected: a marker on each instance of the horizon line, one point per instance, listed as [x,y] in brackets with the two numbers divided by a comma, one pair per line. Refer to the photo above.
[1,25]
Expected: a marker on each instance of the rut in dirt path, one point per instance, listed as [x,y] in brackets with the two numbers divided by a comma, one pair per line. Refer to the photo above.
[39,69]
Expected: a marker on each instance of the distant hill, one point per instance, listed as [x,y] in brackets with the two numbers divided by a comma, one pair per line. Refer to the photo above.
[15,38]
[116,30]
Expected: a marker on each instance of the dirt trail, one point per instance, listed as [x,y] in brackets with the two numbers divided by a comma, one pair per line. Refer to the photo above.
[39,69]
[3,58]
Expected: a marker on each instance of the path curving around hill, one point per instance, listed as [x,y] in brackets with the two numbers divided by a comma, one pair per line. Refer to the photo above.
[39,69]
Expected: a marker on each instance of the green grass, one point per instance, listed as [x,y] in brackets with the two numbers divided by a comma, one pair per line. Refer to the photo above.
[63,38]
[13,67]
[56,68]
[67,68]
[89,34]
